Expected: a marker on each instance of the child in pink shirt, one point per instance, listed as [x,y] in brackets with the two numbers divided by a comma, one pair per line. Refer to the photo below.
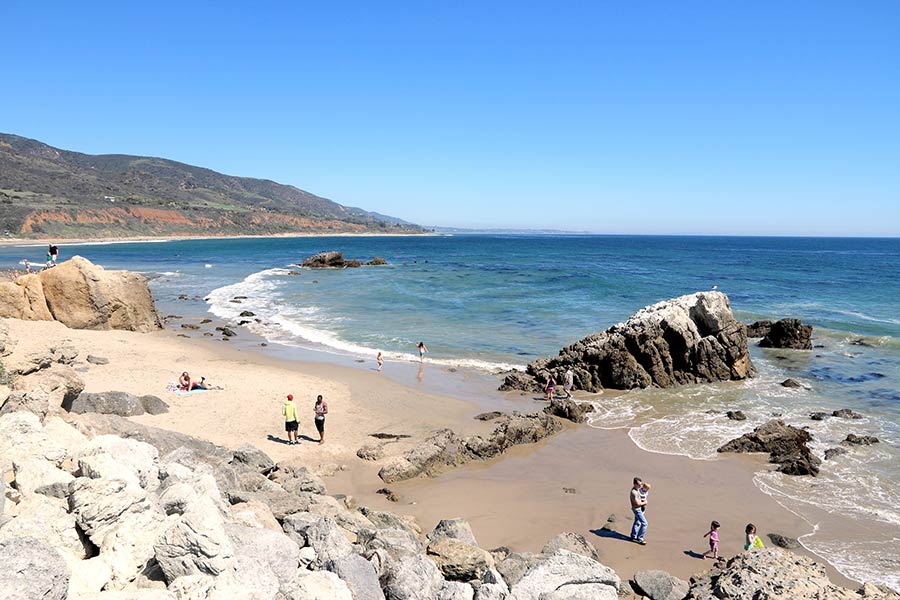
[713,534]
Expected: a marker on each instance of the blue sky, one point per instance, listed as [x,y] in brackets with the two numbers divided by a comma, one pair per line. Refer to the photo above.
[615,117]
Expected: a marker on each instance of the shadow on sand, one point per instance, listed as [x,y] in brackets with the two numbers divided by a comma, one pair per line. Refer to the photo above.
[281,440]
[614,535]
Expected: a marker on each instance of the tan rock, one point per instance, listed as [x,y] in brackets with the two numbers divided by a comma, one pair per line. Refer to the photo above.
[24,299]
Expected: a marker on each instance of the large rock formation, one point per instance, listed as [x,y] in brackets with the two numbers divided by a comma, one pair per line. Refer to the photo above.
[786,446]
[690,339]
[81,295]
[335,260]
[788,333]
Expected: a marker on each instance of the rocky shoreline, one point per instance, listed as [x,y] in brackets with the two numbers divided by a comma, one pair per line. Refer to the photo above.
[98,506]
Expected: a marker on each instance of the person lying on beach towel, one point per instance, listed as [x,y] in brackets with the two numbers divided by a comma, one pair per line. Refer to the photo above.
[185,384]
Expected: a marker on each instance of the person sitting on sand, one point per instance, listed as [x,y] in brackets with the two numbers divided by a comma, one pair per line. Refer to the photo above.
[752,540]
[186,385]
[639,529]
[422,350]
[713,534]
[550,387]
[321,409]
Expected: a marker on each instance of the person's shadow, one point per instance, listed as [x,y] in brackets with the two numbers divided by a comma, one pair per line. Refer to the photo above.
[693,554]
[609,534]
[281,440]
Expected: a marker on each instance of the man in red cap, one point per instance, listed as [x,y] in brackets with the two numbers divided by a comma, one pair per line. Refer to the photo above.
[289,410]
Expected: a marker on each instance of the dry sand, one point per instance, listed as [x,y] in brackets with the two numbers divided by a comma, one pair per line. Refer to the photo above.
[516,501]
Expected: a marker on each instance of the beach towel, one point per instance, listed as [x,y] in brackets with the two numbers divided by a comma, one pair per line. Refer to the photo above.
[196,391]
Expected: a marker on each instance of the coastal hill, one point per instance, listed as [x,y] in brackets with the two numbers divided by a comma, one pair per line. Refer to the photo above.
[46,192]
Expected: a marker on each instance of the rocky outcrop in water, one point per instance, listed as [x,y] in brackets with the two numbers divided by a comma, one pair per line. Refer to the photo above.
[758,329]
[336,260]
[788,333]
[786,446]
[690,339]
[81,295]
[570,410]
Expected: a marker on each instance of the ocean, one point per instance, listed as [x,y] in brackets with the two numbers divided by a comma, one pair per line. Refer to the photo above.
[485,303]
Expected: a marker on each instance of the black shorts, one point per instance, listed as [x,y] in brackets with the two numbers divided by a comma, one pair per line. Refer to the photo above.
[290,425]
[320,424]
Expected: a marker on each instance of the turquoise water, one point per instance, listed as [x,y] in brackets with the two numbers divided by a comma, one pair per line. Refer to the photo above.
[490,302]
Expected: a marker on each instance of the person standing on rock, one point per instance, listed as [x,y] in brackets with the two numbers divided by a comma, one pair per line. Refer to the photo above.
[54,253]
[289,410]
[321,409]
[639,529]
[568,382]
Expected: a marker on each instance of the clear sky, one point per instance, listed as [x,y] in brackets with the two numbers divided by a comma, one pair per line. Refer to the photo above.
[736,117]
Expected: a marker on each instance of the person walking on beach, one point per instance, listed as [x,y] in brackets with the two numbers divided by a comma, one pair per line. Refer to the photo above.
[289,410]
[550,387]
[422,350]
[639,529]
[380,360]
[713,534]
[321,409]
[568,382]
[752,540]
[54,253]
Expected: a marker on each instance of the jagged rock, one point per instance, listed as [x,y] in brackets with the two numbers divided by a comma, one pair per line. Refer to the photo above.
[41,477]
[492,587]
[254,458]
[459,561]
[736,415]
[139,459]
[386,520]
[371,451]
[690,339]
[564,569]
[489,416]
[116,403]
[326,538]
[254,513]
[791,383]
[832,452]
[517,380]
[758,329]
[196,543]
[228,332]
[860,440]
[573,542]
[324,260]
[60,382]
[788,333]
[296,478]
[377,261]
[514,565]
[819,416]
[397,541]
[413,578]
[786,445]
[457,529]
[22,437]
[97,360]
[36,402]
[30,569]
[569,409]
[264,560]
[659,585]
[359,575]
[318,585]
[190,326]
[43,518]
[247,313]
[512,431]
[846,413]
[455,590]
[768,573]
[783,541]
[82,295]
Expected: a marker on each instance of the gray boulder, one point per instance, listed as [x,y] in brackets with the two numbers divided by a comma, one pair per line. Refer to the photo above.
[459,561]
[254,458]
[786,446]
[659,585]
[690,339]
[457,529]
[788,333]
[116,403]
[846,413]
[359,575]
[31,570]
[573,542]
[36,402]
[758,329]
[413,578]
[566,571]
[569,409]
[783,541]
[860,440]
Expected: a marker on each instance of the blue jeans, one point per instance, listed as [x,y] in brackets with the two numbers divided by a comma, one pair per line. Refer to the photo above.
[640,524]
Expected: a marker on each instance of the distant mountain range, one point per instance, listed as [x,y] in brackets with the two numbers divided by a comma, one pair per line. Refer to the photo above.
[46,192]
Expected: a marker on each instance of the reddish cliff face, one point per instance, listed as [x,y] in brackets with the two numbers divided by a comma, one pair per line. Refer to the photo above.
[139,220]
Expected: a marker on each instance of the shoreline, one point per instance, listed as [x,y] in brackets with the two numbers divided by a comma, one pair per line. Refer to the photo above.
[524,485]
[175,238]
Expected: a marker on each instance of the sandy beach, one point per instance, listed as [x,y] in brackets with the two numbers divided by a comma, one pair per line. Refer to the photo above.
[518,500]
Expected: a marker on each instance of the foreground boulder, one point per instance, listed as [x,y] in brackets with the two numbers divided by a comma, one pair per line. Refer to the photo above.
[116,403]
[31,569]
[659,585]
[570,410]
[690,339]
[788,333]
[768,573]
[786,446]
[82,295]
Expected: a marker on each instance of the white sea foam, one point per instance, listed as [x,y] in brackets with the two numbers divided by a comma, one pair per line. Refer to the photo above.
[97,243]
